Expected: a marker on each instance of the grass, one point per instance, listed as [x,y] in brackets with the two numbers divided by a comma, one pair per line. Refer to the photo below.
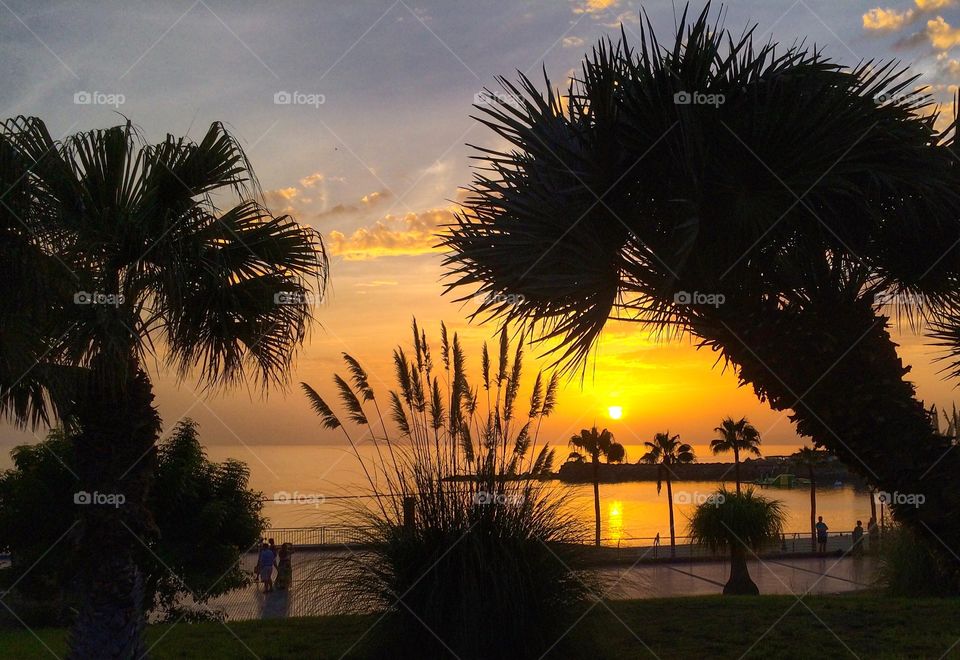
[713,627]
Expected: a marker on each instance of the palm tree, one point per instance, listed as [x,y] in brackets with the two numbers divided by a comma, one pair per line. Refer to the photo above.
[741,522]
[739,436]
[596,444]
[810,458]
[683,218]
[666,451]
[136,259]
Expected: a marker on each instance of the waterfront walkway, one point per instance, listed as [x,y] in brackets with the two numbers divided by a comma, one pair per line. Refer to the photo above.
[828,574]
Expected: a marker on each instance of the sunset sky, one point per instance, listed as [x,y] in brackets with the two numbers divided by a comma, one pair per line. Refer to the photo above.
[377,165]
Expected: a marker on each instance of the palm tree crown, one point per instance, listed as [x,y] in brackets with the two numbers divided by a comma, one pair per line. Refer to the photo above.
[598,444]
[666,450]
[738,437]
[133,253]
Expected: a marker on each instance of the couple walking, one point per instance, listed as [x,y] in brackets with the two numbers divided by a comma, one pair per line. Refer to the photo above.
[271,558]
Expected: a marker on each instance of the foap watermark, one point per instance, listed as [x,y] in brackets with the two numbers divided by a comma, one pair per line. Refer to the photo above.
[296,497]
[97,298]
[697,498]
[295,298]
[698,298]
[699,98]
[487,97]
[901,499]
[895,99]
[299,98]
[501,298]
[484,498]
[99,98]
[901,298]
[96,498]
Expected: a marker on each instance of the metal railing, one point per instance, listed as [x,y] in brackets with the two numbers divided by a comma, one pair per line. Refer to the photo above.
[659,546]
[325,535]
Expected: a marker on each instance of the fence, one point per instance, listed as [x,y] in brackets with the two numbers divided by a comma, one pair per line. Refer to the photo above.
[327,535]
[658,546]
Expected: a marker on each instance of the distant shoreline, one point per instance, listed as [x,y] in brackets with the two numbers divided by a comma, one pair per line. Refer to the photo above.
[750,470]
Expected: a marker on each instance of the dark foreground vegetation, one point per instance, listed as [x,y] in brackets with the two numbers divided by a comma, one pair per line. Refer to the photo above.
[702,627]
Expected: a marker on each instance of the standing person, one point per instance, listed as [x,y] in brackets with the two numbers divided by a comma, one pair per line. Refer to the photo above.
[285,566]
[821,535]
[857,547]
[267,560]
[256,569]
[873,534]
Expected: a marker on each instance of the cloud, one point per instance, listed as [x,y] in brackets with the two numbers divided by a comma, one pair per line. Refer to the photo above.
[339,209]
[312,179]
[887,19]
[572,42]
[942,36]
[375,197]
[626,18]
[284,194]
[280,200]
[376,284]
[594,6]
[392,235]
[367,201]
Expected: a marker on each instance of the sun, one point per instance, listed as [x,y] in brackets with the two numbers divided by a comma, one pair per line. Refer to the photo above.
[615,412]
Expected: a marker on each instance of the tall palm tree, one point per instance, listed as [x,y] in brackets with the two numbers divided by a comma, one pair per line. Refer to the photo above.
[810,458]
[714,220]
[741,522]
[138,251]
[739,436]
[597,444]
[665,451]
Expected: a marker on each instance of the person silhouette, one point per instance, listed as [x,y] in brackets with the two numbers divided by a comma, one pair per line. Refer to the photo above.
[821,535]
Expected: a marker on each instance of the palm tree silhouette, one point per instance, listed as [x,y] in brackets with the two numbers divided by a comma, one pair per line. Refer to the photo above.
[622,200]
[739,436]
[811,458]
[666,451]
[741,522]
[133,258]
[596,444]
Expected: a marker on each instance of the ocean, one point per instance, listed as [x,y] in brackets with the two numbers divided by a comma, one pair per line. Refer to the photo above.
[317,485]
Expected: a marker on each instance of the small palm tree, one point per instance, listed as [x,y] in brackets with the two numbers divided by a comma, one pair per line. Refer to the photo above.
[741,522]
[811,458]
[739,436]
[596,444]
[666,451]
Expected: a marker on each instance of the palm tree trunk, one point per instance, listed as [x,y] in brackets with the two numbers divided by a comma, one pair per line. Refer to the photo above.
[673,535]
[736,467]
[740,582]
[596,494]
[813,509]
[115,455]
[835,365]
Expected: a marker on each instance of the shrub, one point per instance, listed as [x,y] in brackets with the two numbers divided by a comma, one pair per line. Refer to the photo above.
[483,568]
[204,513]
[908,566]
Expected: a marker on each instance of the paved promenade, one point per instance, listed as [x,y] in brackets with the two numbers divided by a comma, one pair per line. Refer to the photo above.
[830,574]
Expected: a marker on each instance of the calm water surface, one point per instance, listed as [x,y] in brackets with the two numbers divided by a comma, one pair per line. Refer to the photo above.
[313,479]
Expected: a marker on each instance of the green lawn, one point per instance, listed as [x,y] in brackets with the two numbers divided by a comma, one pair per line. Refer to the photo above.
[702,627]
